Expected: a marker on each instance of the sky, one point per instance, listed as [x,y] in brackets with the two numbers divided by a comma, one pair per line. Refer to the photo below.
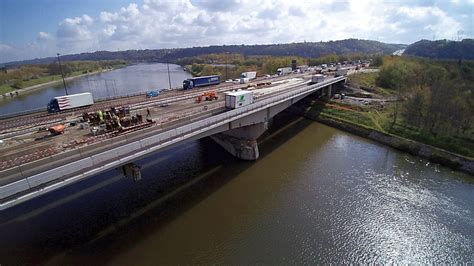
[41,28]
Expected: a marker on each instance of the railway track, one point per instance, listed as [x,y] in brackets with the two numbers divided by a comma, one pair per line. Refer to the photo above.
[30,122]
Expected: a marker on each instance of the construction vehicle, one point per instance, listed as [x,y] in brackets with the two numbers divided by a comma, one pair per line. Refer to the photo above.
[207,96]
[57,129]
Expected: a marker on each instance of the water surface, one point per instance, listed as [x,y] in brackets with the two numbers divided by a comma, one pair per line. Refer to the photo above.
[316,195]
[123,81]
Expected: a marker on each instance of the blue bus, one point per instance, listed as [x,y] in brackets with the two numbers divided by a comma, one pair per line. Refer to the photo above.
[201,81]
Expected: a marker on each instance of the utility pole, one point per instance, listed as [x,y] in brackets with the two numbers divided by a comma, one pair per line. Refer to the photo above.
[62,75]
[169,77]
[226,64]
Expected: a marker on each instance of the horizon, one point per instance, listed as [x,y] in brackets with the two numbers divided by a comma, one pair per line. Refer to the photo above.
[203,46]
[48,27]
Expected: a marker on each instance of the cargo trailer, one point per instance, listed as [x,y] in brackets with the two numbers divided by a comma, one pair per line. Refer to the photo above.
[250,75]
[284,70]
[201,81]
[69,102]
[238,99]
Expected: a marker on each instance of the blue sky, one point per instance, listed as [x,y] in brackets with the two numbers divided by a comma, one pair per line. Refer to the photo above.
[21,20]
[40,28]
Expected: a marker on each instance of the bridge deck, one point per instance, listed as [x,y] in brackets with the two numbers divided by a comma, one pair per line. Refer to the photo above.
[78,155]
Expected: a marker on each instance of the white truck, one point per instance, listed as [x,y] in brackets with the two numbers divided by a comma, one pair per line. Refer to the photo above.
[341,71]
[70,101]
[249,75]
[317,78]
[236,99]
[246,77]
[284,70]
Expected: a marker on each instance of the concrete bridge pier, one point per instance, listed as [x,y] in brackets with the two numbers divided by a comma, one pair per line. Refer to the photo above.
[327,92]
[242,142]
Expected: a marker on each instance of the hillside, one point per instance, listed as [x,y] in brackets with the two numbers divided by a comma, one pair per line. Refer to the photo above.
[305,49]
[442,49]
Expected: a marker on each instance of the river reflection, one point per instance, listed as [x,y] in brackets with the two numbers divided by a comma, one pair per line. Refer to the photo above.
[124,81]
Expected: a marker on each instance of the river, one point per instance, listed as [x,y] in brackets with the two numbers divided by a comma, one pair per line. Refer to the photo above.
[316,195]
[123,81]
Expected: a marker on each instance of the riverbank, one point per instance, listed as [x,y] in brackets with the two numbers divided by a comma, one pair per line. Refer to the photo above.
[50,83]
[318,112]
[8,91]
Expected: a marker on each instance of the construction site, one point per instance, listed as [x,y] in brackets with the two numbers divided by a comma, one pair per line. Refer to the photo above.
[38,135]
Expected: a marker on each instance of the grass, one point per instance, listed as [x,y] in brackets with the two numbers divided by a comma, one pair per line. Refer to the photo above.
[40,80]
[381,121]
[457,145]
[352,116]
[5,89]
[367,81]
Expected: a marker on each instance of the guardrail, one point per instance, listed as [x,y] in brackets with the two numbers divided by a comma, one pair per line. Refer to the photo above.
[85,165]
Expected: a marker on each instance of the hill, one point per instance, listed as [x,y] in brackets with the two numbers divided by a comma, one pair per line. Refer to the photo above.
[304,49]
[442,49]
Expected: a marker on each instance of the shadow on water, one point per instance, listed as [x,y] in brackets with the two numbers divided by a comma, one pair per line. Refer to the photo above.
[104,215]
[177,200]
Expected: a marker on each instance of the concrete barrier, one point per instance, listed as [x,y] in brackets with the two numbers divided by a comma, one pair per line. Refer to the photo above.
[13,188]
[59,172]
[10,175]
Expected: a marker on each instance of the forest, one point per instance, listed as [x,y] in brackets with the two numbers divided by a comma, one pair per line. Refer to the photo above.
[437,95]
[229,66]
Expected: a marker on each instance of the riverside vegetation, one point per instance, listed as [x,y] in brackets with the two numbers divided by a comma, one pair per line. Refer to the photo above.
[432,102]
[230,66]
[29,75]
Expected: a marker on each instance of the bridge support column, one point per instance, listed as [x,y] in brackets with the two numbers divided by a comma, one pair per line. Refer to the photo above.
[327,92]
[242,142]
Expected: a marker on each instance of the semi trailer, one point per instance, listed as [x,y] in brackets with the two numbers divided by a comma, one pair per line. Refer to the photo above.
[284,70]
[201,81]
[69,102]
[246,77]
[236,99]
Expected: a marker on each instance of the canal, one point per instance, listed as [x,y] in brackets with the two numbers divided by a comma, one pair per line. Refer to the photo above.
[123,81]
[316,195]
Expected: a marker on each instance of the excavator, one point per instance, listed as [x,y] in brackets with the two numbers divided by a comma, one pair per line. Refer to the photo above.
[208,96]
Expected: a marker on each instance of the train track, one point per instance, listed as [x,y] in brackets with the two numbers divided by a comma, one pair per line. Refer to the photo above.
[32,121]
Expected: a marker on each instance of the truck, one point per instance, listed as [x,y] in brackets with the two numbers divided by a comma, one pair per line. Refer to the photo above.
[317,78]
[201,81]
[284,70]
[250,75]
[236,99]
[341,72]
[69,102]
[246,77]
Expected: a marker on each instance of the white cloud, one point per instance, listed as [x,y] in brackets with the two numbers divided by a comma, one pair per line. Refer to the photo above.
[187,23]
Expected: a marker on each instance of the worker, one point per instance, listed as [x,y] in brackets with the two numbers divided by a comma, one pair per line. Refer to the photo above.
[101,116]
[117,119]
[148,116]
